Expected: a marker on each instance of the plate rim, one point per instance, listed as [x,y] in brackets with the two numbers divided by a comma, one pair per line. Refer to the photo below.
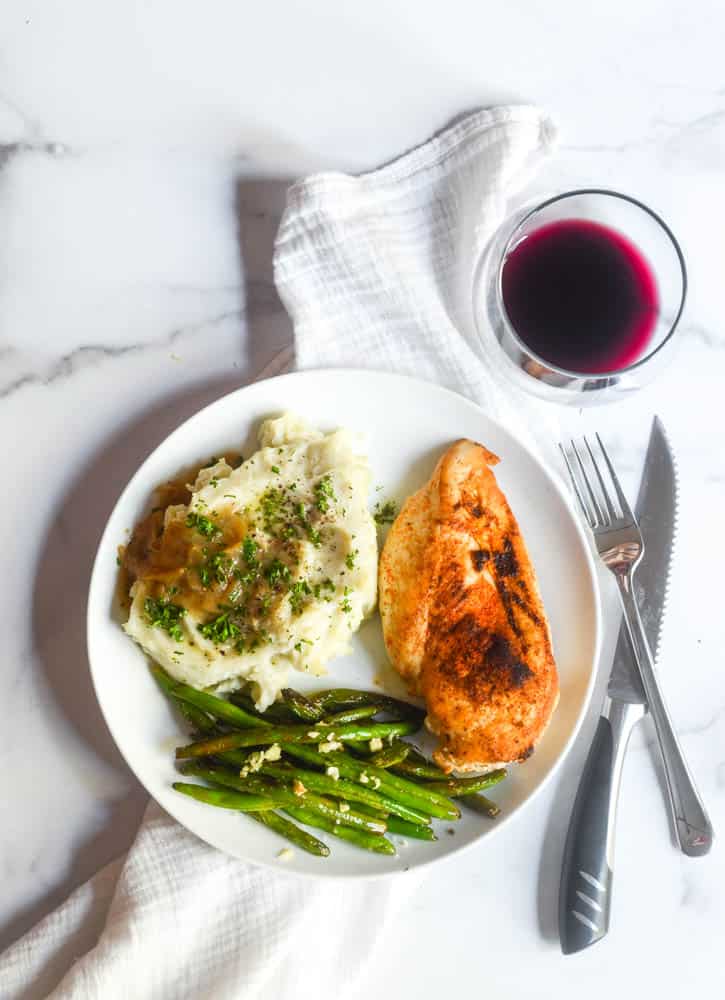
[589,561]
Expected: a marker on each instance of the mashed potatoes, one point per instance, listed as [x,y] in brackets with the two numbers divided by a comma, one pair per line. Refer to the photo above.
[270,565]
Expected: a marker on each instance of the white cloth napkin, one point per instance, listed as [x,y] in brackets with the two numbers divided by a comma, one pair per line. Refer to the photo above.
[375,272]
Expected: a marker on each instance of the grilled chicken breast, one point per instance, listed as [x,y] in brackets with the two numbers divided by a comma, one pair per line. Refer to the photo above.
[463,620]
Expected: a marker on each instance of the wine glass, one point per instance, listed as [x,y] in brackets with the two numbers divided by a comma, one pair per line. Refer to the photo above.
[509,350]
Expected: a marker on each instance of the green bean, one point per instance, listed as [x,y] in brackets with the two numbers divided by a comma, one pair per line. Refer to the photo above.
[233,758]
[416,796]
[198,720]
[480,804]
[414,769]
[466,786]
[361,838]
[381,784]
[284,796]
[165,681]
[339,697]
[419,797]
[301,706]
[369,810]
[228,800]
[215,745]
[347,790]
[390,756]
[399,826]
[351,714]
[292,734]
[276,712]
[285,828]
[220,708]
[396,743]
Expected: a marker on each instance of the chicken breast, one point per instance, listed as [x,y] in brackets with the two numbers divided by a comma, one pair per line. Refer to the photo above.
[463,620]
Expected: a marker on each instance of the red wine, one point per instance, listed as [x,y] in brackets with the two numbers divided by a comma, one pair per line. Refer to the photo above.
[580,296]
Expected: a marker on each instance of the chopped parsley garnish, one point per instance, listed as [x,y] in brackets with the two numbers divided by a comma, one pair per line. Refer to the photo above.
[350,558]
[165,615]
[385,512]
[298,593]
[204,525]
[298,645]
[271,504]
[324,494]
[275,469]
[345,602]
[220,566]
[249,554]
[314,535]
[277,574]
[220,629]
[326,584]
[249,551]
[217,568]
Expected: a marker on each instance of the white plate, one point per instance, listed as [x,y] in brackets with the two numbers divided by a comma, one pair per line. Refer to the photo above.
[409,424]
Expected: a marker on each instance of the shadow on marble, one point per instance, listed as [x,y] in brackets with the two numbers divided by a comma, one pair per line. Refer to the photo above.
[59,626]
[260,203]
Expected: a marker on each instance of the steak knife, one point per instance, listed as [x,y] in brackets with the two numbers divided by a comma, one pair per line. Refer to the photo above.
[585,891]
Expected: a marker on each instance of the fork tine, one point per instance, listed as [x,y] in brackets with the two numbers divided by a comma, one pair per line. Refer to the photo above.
[595,503]
[626,509]
[575,486]
[613,515]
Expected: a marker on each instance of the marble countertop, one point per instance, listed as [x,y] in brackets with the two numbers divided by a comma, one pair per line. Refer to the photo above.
[145,150]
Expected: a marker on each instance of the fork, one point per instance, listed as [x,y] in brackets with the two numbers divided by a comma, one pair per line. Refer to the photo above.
[620,545]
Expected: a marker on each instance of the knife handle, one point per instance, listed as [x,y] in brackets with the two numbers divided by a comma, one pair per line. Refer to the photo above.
[585,891]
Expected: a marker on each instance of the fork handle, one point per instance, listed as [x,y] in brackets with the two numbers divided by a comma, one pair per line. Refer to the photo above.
[692,824]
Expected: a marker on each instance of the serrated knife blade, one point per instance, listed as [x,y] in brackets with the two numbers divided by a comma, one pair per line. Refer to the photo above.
[656,511]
